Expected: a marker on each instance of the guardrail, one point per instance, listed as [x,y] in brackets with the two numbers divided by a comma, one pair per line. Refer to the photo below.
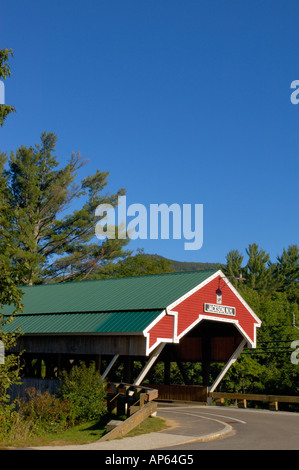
[242,399]
[126,399]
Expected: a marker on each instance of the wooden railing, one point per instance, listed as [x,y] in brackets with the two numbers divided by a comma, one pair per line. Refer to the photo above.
[242,398]
[126,399]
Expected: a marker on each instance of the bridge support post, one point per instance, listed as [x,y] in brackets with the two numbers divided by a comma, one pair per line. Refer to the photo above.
[229,363]
[109,367]
[149,364]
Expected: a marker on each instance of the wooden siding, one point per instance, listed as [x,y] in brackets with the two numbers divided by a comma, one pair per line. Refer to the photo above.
[181,392]
[83,344]
[224,340]
[162,330]
[42,385]
[193,306]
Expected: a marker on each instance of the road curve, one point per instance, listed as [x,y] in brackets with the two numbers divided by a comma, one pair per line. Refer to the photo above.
[251,429]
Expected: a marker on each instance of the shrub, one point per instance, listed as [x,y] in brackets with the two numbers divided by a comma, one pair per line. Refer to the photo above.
[6,412]
[83,387]
[46,412]
[81,398]
[36,414]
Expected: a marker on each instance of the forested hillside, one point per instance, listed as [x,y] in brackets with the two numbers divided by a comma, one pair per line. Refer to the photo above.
[180,266]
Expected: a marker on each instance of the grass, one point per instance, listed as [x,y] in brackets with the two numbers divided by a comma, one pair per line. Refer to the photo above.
[84,433]
[151,424]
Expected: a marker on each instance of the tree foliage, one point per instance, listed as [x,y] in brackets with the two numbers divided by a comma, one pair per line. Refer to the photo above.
[137,265]
[10,294]
[272,291]
[83,387]
[43,241]
[5,109]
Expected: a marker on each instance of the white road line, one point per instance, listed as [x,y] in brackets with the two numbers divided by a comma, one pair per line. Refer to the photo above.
[229,417]
[227,428]
[213,414]
[196,415]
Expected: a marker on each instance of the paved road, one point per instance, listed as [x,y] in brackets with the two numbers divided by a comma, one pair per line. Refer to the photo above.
[250,429]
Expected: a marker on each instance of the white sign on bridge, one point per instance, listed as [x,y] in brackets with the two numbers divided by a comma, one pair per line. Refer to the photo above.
[220,309]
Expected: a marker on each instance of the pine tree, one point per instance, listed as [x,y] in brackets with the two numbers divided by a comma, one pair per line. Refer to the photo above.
[233,268]
[42,242]
[286,272]
[258,269]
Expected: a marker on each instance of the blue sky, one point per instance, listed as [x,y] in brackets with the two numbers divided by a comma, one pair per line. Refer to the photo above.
[182,102]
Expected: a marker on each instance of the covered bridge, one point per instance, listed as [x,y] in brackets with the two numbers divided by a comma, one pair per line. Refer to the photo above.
[181,317]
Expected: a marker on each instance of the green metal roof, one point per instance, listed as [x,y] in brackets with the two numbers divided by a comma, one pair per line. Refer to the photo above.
[101,306]
[104,322]
[109,295]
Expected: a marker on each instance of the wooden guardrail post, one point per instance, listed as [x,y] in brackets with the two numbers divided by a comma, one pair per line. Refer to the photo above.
[273,404]
[133,400]
[220,401]
[142,400]
[242,403]
[122,399]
